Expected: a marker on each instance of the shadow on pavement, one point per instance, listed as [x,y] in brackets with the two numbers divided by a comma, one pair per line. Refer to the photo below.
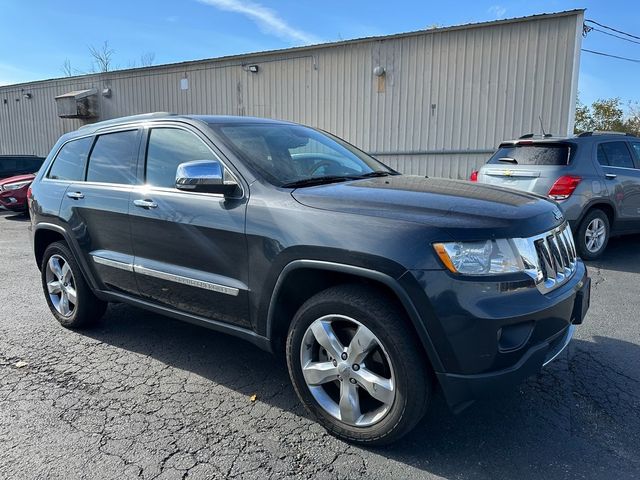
[14,216]
[560,424]
[618,254]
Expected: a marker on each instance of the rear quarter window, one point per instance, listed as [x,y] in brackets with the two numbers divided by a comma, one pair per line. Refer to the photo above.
[112,159]
[532,155]
[71,160]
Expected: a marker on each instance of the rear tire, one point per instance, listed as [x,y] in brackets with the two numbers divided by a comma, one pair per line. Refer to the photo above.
[385,359]
[592,236]
[69,297]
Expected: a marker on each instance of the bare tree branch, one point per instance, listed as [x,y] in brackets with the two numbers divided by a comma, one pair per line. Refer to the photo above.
[102,57]
[66,68]
[147,59]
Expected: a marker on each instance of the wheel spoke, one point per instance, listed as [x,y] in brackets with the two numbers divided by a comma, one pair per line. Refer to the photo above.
[71,295]
[349,403]
[66,273]
[361,344]
[54,287]
[63,305]
[378,387]
[324,334]
[317,373]
[56,269]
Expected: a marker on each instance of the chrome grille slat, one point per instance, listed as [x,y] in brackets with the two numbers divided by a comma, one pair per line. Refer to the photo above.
[557,257]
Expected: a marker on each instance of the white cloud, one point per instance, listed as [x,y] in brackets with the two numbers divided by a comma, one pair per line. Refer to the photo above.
[497,10]
[267,19]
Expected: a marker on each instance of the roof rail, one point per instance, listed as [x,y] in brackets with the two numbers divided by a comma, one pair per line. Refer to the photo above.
[601,132]
[532,135]
[526,135]
[131,118]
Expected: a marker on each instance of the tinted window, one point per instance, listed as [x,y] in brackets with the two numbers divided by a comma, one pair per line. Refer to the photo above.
[71,160]
[636,149]
[615,154]
[8,165]
[168,148]
[113,157]
[18,165]
[532,155]
[289,153]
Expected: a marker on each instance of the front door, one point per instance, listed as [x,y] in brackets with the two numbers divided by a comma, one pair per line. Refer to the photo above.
[190,249]
[623,182]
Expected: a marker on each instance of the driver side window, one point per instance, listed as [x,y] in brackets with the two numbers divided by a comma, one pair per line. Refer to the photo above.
[166,149]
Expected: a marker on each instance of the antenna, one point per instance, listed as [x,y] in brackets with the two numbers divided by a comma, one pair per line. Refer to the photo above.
[542,126]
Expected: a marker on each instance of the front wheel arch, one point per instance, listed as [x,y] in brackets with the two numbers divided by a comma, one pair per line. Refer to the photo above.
[309,277]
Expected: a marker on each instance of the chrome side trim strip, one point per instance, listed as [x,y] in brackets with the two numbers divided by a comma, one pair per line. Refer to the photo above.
[112,263]
[192,282]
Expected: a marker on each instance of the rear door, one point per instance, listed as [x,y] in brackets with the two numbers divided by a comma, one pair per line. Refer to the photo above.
[190,248]
[527,165]
[623,181]
[97,209]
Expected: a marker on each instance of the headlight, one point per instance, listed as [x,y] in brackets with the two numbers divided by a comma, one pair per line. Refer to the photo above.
[15,186]
[491,257]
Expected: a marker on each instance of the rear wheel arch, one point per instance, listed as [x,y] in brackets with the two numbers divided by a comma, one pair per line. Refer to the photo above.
[605,206]
[302,279]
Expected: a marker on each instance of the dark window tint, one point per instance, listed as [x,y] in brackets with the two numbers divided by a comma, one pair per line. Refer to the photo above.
[71,160]
[615,154]
[112,158]
[8,165]
[636,149]
[18,165]
[532,155]
[168,148]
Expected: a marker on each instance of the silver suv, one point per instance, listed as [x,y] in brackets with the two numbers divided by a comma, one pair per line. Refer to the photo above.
[594,177]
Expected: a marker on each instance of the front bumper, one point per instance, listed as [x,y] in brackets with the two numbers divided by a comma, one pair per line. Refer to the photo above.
[15,200]
[492,335]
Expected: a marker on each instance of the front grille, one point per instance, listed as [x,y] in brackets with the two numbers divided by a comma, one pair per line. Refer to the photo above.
[556,257]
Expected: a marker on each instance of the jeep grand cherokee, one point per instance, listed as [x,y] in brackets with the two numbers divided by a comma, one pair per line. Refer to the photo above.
[376,286]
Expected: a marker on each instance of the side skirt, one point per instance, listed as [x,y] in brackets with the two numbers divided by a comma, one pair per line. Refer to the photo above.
[243,333]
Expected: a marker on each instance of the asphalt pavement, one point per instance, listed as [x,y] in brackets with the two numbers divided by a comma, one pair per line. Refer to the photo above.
[145,396]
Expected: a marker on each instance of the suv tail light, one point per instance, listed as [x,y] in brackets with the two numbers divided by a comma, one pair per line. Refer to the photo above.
[564,187]
[474,176]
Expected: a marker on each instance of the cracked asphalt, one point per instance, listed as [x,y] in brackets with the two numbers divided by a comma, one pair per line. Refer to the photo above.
[144,396]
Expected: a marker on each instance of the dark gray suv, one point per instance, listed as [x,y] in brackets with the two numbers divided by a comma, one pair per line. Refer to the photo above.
[594,177]
[376,287]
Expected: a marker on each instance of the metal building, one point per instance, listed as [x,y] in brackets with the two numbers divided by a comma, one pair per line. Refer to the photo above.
[433,102]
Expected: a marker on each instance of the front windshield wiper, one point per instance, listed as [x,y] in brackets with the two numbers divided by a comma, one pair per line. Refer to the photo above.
[309,182]
[376,173]
[508,159]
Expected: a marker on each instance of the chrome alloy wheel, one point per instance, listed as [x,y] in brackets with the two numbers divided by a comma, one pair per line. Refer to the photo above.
[595,235]
[61,285]
[347,370]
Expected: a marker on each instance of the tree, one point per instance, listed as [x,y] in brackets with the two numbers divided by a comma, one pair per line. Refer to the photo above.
[66,68]
[608,114]
[102,57]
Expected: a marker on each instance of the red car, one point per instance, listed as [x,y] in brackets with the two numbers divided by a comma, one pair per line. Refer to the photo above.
[13,192]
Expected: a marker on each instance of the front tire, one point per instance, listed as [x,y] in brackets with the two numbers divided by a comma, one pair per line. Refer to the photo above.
[69,297]
[356,366]
[593,235]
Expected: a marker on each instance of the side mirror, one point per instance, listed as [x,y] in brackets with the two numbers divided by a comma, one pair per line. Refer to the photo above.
[204,176]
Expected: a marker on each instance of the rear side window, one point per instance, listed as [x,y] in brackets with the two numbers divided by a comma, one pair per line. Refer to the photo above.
[615,154]
[113,157]
[531,154]
[71,160]
[168,148]
[636,150]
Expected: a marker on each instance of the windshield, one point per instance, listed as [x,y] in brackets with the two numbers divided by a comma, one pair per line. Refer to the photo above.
[531,154]
[290,155]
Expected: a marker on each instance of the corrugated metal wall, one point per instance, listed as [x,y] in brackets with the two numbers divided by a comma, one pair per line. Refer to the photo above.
[448,96]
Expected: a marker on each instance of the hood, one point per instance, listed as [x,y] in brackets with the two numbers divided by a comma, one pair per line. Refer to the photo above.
[17,178]
[463,209]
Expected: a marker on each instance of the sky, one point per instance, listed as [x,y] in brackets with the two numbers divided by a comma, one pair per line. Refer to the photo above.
[38,36]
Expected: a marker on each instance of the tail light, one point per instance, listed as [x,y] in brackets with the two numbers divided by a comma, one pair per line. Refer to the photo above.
[474,176]
[564,187]
[29,193]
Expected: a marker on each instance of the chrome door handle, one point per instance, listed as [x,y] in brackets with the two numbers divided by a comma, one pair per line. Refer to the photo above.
[610,176]
[145,203]
[75,195]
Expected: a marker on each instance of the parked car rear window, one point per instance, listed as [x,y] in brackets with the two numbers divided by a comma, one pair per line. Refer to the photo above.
[532,155]
[615,154]
[636,150]
[112,158]
[168,148]
[17,165]
[71,160]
